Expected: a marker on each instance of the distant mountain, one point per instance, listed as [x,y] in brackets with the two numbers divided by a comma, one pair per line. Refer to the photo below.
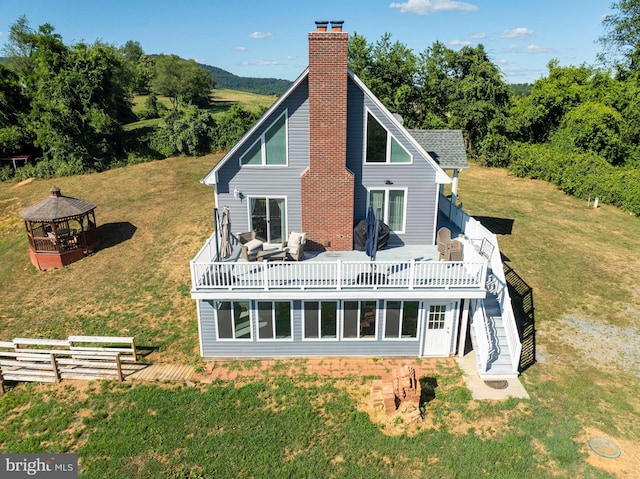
[261,86]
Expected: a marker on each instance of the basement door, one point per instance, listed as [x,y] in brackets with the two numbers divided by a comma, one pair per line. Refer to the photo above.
[438,329]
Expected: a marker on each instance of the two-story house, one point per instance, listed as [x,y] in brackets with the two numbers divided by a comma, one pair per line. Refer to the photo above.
[324,153]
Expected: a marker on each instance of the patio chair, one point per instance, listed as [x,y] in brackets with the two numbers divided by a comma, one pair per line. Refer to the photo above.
[449,250]
[250,245]
[294,246]
[443,239]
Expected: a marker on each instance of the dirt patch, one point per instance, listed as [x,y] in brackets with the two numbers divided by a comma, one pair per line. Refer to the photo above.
[610,348]
[625,466]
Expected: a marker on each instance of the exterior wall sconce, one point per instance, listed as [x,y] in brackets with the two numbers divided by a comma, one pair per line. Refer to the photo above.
[236,193]
[388,182]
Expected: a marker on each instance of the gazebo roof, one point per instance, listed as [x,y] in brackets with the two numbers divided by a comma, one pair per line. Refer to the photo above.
[57,206]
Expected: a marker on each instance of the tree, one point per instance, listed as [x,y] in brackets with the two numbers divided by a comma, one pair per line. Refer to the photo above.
[621,41]
[183,81]
[13,105]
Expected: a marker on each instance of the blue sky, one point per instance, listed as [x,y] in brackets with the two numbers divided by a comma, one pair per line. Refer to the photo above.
[269,38]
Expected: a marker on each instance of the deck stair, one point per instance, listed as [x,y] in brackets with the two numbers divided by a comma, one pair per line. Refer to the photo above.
[499,363]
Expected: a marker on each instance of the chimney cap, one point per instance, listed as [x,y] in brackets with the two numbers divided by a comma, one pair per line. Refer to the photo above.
[336,25]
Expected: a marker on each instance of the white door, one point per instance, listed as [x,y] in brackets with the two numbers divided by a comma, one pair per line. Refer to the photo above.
[438,328]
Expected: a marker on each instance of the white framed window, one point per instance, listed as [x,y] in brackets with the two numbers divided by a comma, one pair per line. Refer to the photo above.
[320,320]
[381,146]
[393,206]
[359,319]
[401,319]
[274,320]
[233,319]
[271,148]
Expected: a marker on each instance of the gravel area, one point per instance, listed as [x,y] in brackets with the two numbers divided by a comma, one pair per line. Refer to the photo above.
[611,348]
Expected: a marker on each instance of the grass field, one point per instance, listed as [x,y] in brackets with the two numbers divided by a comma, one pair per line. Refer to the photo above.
[221,101]
[583,265]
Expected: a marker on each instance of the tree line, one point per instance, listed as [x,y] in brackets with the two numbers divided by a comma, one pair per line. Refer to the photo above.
[578,127]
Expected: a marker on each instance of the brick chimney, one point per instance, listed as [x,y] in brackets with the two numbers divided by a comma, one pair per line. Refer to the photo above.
[327,185]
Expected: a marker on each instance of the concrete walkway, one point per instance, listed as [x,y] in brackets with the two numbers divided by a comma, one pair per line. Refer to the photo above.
[480,390]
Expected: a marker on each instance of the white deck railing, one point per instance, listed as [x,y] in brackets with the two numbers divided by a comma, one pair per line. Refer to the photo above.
[337,275]
[479,323]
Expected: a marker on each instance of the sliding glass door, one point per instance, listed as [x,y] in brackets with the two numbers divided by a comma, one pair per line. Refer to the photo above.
[268,219]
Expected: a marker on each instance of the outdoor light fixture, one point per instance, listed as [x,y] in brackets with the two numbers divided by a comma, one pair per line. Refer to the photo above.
[388,182]
[236,193]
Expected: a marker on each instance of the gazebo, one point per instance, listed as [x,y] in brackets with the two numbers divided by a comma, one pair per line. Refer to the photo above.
[61,230]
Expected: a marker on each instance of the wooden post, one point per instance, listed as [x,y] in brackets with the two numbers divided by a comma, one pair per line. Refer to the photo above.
[133,347]
[54,365]
[119,367]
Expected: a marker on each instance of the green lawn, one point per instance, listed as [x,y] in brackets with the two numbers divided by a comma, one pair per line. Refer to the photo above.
[583,265]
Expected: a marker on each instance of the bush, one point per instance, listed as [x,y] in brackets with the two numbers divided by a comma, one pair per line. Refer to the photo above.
[580,174]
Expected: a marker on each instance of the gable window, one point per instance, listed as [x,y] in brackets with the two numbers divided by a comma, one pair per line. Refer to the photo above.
[401,319]
[271,148]
[233,319]
[359,320]
[274,319]
[320,319]
[393,206]
[382,147]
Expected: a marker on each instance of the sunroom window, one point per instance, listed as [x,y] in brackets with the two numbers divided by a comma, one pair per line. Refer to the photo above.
[320,319]
[234,320]
[271,147]
[274,319]
[359,319]
[401,319]
[382,147]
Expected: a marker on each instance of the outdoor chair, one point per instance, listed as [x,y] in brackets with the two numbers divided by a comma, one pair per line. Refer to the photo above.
[294,246]
[250,245]
[448,249]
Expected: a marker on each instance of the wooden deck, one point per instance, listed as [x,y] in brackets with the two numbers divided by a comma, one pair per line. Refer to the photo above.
[162,372]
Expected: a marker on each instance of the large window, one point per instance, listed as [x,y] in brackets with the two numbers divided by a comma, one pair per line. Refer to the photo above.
[268,219]
[359,319]
[392,204]
[382,147]
[271,147]
[320,319]
[401,319]
[234,320]
[274,319]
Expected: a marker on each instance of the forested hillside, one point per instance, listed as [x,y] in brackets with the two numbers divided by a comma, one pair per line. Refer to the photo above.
[262,86]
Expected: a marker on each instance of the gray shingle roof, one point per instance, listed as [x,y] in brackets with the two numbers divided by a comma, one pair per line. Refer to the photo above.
[56,206]
[446,147]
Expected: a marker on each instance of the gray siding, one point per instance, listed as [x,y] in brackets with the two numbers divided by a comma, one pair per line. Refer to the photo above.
[418,177]
[297,347]
[270,180]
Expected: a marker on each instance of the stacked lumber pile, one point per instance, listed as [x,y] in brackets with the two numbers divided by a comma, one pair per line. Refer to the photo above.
[401,393]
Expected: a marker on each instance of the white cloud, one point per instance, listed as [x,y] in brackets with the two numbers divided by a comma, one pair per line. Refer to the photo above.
[425,7]
[291,57]
[240,49]
[503,62]
[510,49]
[520,32]
[261,35]
[478,36]
[260,63]
[538,49]
[459,43]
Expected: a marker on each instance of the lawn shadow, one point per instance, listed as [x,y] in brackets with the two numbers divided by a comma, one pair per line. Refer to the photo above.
[522,302]
[144,351]
[498,226]
[428,385]
[112,234]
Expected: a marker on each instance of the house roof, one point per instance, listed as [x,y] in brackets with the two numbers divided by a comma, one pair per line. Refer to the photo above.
[57,206]
[446,147]
[451,140]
